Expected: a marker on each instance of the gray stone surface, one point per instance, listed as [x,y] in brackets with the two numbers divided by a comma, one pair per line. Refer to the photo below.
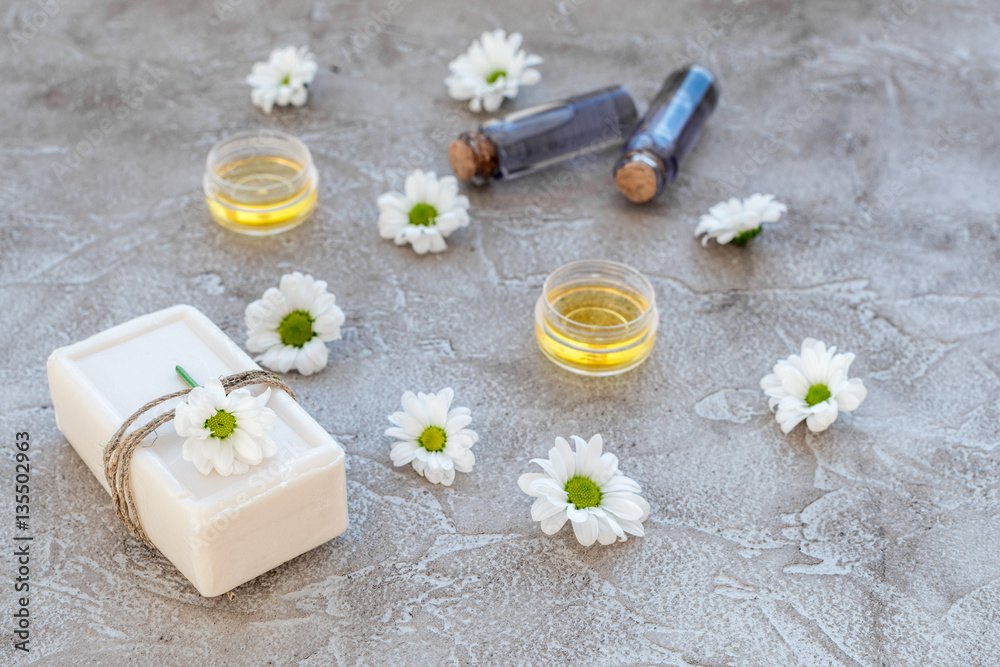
[874,543]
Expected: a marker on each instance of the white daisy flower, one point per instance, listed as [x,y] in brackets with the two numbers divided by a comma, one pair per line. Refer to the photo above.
[284,79]
[739,221]
[813,386]
[227,433]
[491,70]
[291,324]
[587,489]
[432,436]
[430,210]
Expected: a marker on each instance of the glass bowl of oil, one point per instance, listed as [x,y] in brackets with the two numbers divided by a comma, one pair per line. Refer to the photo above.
[260,182]
[596,317]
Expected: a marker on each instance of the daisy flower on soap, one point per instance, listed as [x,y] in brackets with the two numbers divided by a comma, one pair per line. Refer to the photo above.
[290,325]
[432,435]
[738,220]
[812,386]
[284,79]
[586,489]
[493,68]
[428,211]
[227,433]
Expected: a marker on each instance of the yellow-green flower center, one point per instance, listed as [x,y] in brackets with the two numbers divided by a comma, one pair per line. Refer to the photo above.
[492,78]
[745,237]
[423,215]
[296,328]
[221,424]
[582,492]
[287,79]
[817,394]
[433,439]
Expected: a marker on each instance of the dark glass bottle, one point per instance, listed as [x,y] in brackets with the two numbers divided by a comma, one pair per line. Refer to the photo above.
[666,133]
[526,141]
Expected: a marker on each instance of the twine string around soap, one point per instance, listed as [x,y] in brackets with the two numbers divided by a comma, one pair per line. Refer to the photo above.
[118,453]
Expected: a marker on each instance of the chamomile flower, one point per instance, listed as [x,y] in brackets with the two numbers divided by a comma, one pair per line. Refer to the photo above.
[493,68]
[291,324]
[586,489]
[429,210]
[433,436]
[284,79]
[227,433]
[813,386]
[738,221]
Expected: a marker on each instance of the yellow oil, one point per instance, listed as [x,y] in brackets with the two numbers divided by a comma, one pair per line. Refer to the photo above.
[271,198]
[596,306]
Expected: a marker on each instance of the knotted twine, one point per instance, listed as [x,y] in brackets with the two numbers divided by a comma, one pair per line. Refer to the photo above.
[118,453]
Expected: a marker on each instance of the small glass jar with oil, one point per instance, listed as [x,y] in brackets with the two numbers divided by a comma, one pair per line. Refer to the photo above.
[596,317]
[260,182]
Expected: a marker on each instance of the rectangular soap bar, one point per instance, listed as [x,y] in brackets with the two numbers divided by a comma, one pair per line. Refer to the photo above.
[218,531]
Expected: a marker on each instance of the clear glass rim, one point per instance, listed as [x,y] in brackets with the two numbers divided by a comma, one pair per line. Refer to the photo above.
[604,270]
[269,142]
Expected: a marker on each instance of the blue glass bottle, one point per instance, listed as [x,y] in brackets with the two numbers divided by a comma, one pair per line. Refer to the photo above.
[526,141]
[653,152]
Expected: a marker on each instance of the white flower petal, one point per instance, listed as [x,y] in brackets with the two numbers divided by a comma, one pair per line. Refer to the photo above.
[457,423]
[448,477]
[552,524]
[403,452]
[546,465]
[260,341]
[620,484]
[542,509]
[398,433]
[851,395]
[607,469]
[529,77]
[437,409]
[563,461]
[771,384]
[823,415]
[244,448]
[327,326]
[412,426]
[631,527]
[312,357]
[549,488]
[605,533]
[622,507]
[491,102]
[414,409]
[224,457]
[586,531]
[464,461]
[792,380]
[588,455]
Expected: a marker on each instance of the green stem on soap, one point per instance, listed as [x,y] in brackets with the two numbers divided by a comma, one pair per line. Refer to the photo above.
[188,380]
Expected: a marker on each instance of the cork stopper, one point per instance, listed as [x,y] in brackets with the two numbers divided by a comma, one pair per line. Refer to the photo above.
[463,160]
[637,181]
[473,157]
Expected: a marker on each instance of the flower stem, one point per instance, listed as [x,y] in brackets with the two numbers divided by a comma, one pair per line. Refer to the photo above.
[188,380]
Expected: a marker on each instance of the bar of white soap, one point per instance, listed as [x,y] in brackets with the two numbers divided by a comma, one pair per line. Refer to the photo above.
[218,531]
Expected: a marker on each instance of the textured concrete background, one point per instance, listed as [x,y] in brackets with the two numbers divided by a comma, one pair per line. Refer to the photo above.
[874,543]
